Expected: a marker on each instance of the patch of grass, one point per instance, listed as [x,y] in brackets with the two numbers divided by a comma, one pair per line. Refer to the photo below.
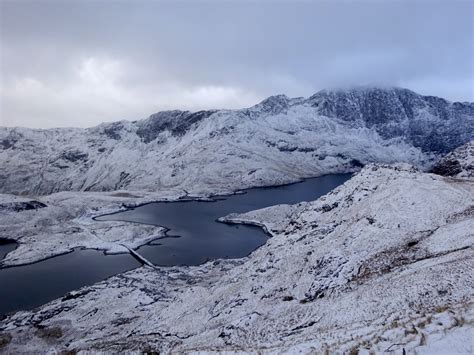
[354,351]
[413,330]
[441,309]
[5,339]
[49,333]
[421,324]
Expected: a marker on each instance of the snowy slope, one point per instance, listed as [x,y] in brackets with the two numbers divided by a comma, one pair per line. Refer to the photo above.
[383,262]
[279,140]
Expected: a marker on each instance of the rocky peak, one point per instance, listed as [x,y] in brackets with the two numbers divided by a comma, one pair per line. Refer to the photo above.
[176,122]
[272,105]
[371,104]
[424,121]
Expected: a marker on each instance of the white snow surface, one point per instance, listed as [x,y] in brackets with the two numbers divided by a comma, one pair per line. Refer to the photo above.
[278,141]
[382,263]
[202,161]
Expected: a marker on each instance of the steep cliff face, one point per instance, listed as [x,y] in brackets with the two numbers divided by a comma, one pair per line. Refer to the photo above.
[279,140]
[427,122]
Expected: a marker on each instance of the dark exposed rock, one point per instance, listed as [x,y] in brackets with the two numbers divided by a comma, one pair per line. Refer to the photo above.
[305,325]
[112,130]
[392,113]
[176,122]
[447,168]
[10,140]
[327,208]
[21,206]
[357,163]
[7,143]
[306,150]
[123,180]
[272,105]
[68,352]
[458,162]
[74,156]
[148,350]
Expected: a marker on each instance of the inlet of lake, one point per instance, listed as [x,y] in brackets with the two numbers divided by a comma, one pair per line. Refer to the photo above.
[194,236]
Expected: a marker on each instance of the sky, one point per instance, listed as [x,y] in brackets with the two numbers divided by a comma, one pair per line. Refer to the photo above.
[80,63]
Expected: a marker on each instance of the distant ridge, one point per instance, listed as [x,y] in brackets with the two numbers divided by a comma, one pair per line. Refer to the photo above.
[279,140]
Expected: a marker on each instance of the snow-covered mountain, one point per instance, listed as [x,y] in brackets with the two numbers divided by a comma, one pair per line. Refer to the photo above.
[277,141]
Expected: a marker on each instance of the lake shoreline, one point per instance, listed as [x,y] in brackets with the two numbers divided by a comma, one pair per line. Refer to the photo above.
[255,235]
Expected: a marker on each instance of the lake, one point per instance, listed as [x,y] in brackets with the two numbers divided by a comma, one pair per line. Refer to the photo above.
[193,237]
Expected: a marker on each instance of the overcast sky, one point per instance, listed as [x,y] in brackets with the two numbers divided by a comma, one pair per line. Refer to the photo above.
[79,63]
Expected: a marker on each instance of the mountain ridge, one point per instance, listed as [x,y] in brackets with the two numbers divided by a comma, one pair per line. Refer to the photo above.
[278,140]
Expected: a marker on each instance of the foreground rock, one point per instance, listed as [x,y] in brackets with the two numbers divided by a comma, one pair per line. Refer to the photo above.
[383,262]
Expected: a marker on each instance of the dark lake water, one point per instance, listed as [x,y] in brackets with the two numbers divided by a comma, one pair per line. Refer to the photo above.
[28,286]
[194,237]
[6,246]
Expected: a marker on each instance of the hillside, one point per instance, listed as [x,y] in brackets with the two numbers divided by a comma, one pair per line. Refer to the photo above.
[277,141]
[383,262]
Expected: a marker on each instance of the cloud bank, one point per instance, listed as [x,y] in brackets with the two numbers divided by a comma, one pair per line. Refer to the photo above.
[79,63]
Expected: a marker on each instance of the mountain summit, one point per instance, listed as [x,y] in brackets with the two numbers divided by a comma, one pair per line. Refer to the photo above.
[277,141]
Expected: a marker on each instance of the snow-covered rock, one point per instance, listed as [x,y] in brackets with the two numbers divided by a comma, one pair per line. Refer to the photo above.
[383,262]
[279,140]
[458,163]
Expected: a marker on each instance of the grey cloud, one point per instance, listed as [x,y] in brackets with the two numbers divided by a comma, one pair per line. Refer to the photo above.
[194,55]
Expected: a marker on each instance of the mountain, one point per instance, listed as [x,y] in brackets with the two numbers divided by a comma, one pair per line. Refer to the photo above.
[277,141]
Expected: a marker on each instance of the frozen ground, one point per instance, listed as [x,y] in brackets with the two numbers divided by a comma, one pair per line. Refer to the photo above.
[383,263]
